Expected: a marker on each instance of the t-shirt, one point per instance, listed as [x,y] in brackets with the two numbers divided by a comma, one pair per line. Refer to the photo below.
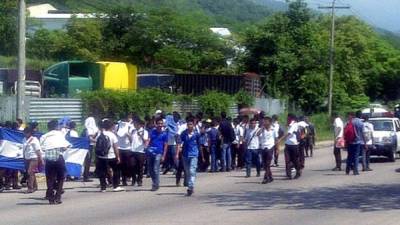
[358,126]
[172,139]
[73,133]
[252,140]
[123,131]
[239,132]
[30,147]
[368,132]
[338,126]
[267,138]
[213,135]
[190,143]
[291,139]
[53,139]
[113,140]
[138,140]
[157,141]
[276,128]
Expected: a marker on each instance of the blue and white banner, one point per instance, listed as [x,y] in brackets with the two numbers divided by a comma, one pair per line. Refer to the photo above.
[11,153]
[12,157]
[75,156]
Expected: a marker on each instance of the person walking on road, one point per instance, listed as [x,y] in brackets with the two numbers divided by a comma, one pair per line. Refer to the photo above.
[268,139]
[33,158]
[228,136]
[54,144]
[354,137]
[292,148]
[368,131]
[190,141]
[339,143]
[140,141]
[253,145]
[156,152]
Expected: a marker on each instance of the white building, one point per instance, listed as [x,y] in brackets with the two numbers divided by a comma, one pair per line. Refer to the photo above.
[48,17]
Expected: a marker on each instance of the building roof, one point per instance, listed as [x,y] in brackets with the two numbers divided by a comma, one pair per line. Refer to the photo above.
[47,11]
[224,32]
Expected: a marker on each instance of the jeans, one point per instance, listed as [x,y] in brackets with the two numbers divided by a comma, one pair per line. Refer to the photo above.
[366,155]
[154,168]
[267,158]
[353,152]
[126,164]
[252,155]
[214,164]
[169,161]
[55,174]
[292,159]
[138,160]
[102,166]
[338,157]
[190,165]
[226,157]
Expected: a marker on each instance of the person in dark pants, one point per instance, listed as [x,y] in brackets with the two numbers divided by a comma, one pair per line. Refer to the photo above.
[268,138]
[253,146]
[368,132]
[339,141]
[140,141]
[292,148]
[228,136]
[303,135]
[354,147]
[212,136]
[156,152]
[124,129]
[110,160]
[91,131]
[53,144]
[279,132]
[33,158]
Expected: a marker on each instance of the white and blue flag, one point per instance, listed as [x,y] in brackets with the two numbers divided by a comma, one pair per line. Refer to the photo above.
[12,157]
[11,153]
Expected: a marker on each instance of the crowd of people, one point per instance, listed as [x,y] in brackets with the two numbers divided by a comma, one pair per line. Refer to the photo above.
[126,151]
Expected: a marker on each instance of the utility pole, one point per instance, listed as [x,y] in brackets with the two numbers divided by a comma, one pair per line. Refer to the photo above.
[332,51]
[21,59]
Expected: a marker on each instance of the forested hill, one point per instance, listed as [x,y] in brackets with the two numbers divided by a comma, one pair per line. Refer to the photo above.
[229,13]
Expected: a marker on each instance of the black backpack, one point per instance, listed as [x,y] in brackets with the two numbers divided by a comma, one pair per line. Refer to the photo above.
[103,145]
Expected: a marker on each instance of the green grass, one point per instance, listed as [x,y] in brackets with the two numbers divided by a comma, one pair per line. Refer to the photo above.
[323,126]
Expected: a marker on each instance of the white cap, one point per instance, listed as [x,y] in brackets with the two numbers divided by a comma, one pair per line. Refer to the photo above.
[158,111]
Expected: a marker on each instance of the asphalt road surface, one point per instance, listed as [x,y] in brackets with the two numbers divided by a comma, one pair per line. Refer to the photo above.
[320,196]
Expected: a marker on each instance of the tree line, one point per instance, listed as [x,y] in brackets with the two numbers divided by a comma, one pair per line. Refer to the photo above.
[290,48]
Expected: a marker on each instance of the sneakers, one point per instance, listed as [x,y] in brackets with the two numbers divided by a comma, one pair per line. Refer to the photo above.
[103,190]
[118,189]
[189,192]
[154,188]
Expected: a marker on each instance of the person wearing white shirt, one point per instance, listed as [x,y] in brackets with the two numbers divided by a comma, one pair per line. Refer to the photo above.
[292,147]
[53,143]
[368,132]
[91,131]
[303,132]
[110,160]
[123,131]
[33,158]
[268,140]
[140,140]
[253,146]
[279,133]
[339,141]
[71,131]
[237,155]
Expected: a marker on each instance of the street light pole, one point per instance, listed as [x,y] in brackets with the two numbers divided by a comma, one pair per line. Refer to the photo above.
[21,59]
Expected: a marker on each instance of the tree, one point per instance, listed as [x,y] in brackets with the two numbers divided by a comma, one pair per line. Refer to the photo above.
[8,27]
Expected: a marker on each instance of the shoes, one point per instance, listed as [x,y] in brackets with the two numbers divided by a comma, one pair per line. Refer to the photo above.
[258,174]
[356,173]
[16,187]
[265,181]
[103,190]
[347,171]
[124,184]
[118,189]
[57,202]
[154,188]
[369,169]
[190,192]
[29,191]
[336,169]
[87,180]
[178,184]
[247,176]
[297,176]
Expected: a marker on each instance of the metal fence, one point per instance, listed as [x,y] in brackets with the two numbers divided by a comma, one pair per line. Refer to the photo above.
[194,107]
[270,106]
[45,109]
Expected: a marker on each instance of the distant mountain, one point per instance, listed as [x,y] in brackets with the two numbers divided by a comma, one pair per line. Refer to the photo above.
[391,37]
[230,13]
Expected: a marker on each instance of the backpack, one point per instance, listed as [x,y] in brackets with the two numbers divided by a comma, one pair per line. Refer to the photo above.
[301,133]
[349,133]
[103,145]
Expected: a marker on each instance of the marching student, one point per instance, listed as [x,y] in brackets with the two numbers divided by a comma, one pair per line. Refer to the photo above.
[123,133]
[253,146]
[33,158]
[156,152]
[190,141]
[140,141]
[54,144]
[91,131]
[268,140]
[292,147]
[108,156]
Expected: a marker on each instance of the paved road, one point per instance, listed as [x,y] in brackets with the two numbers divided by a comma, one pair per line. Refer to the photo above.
[319,197]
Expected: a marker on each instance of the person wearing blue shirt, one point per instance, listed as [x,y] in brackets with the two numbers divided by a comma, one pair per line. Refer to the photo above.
[354,148]
[212,136]
[156,152]
[190,141]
